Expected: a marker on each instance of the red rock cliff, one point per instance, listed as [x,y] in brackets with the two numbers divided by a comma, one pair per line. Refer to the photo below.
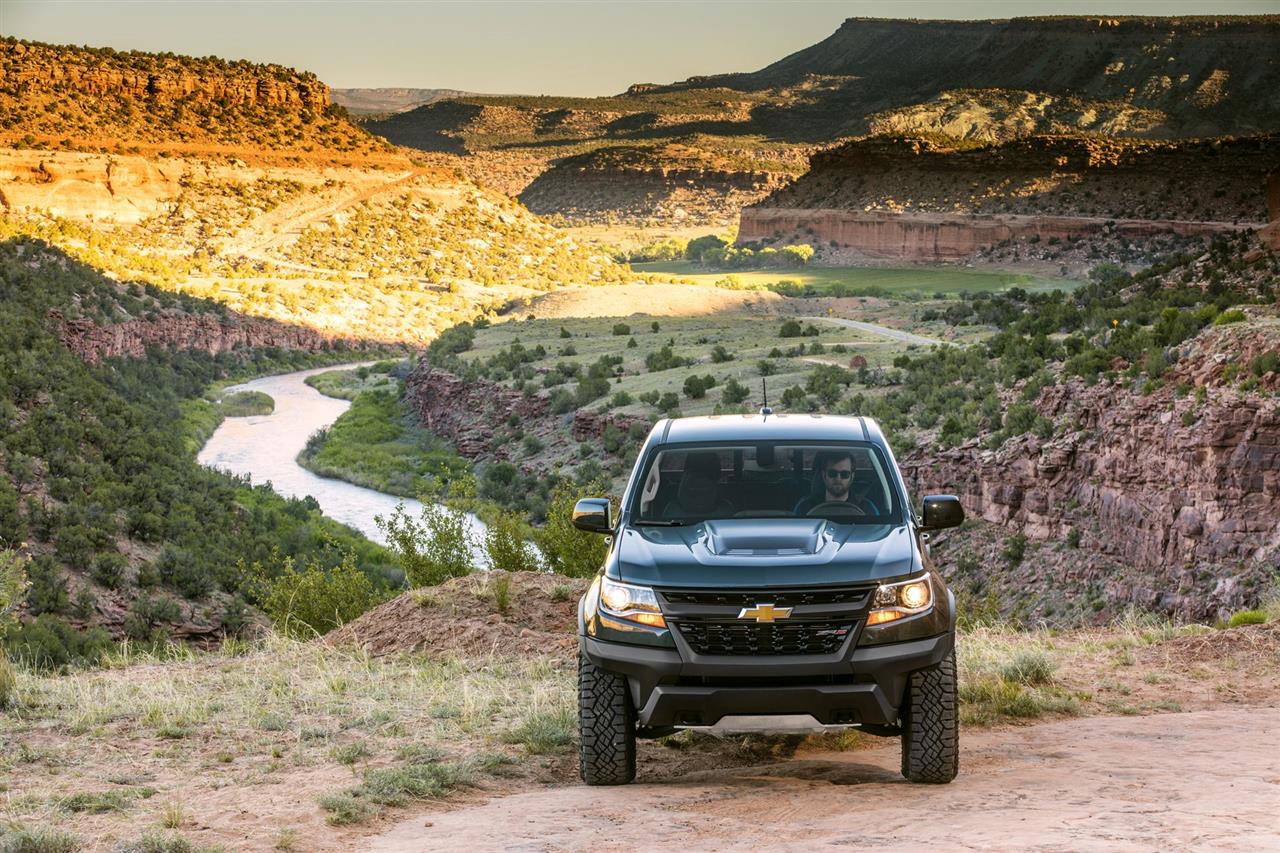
[207,332]
[1162,483]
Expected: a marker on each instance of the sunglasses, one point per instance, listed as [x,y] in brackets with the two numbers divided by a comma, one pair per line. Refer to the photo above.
[838,475]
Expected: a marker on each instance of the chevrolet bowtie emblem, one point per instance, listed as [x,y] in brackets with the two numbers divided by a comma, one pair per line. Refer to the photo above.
[764,613]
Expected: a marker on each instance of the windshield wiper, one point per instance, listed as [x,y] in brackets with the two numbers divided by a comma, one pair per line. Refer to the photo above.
[663,522]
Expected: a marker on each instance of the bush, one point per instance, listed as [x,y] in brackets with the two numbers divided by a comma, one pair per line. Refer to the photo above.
[665,359]
[621,329]
[696,387]
[109,570]
[433,549]
[148,616]
[49,644]
[719,354]
[1235,315]
[619,399]
[314,600]
[507,545]
[567,550]
[790,329]
[734,392]
[1015,548]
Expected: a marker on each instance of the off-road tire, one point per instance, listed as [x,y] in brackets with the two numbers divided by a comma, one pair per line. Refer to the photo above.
[606,727]
[930,728]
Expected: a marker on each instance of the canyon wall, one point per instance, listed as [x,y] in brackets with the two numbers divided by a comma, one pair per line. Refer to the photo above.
[944,237]
[207,332]
[1179,498]
[466,412]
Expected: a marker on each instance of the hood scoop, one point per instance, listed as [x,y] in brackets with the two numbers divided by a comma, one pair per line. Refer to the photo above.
[766,537]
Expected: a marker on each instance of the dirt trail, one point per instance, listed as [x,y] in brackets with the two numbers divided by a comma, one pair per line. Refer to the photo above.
[895,334]
[1205,780]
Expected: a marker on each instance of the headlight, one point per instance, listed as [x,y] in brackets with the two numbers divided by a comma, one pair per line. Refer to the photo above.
[637,603]
[899,600]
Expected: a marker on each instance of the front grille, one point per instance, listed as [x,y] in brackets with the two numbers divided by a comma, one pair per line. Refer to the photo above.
[777,597]
[753,638]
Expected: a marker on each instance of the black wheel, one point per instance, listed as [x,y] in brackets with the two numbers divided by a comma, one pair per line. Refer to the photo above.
[606,727]
[930,729]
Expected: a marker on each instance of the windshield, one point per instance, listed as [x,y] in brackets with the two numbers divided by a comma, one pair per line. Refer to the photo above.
[846,483]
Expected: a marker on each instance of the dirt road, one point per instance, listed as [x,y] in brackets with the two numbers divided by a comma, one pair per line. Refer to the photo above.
[895,334]
[1204,781]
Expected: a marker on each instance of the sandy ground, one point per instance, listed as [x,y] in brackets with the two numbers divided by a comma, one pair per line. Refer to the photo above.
[1204,781]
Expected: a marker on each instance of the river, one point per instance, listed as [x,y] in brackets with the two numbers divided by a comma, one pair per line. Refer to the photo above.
[265,449]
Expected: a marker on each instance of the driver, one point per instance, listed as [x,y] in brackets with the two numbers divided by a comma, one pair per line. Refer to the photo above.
[836,470]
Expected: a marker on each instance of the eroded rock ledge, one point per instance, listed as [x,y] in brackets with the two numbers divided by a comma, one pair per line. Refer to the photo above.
[206,332]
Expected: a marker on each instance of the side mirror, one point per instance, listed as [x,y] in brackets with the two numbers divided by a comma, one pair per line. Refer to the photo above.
[941,511]
[593,515]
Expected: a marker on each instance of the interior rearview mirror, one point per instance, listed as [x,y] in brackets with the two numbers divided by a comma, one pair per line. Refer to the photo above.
[593,515]
[941,511]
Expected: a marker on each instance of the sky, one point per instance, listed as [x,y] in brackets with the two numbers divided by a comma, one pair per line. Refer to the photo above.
[498,46]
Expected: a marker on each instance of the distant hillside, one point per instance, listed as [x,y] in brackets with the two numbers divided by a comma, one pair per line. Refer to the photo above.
[388,101]
[102,99]
[240,183]
[991,81]
[1209,75]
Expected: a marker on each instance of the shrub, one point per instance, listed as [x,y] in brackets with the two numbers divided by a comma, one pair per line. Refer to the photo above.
[790,329]
[619,399]
[665,359]
[49,644]
[696,387]
[531,444]
[148,615]
[719,354]
[109,570]
[621,329]
[612,438]
[507,545]
[565,549]
[432,549]
[734,392]
[1015,548]
[766,368]
[315,601]
[1235,315]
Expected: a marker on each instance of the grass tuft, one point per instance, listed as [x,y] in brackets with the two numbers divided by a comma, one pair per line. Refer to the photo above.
[21,839]
[1247,617]
[544,732]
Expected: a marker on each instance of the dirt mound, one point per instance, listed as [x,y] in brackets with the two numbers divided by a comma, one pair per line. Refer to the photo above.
[473,616]
[659,300]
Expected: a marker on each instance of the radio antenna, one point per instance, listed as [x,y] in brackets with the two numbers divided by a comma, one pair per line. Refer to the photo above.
[764,385]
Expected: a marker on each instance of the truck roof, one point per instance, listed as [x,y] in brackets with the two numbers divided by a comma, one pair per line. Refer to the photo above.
[795,427]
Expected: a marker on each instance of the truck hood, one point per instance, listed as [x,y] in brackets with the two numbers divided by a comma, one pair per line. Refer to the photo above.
[758,552]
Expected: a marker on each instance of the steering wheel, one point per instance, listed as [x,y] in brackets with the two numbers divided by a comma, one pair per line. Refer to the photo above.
[836,507]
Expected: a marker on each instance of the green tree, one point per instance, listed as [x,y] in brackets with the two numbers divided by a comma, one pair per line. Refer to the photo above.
[430,550]
[565,549]
[506,542]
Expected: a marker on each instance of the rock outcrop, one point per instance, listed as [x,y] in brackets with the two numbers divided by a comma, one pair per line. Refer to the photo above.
[206,332]
[123,189]
[943,237]
[1181,491]
[466,412]
[142,76]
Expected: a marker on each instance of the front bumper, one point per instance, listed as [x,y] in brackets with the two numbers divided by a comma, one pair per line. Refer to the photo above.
[864,686]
